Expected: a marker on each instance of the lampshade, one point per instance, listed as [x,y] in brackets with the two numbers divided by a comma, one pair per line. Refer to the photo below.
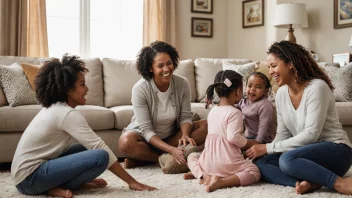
[350,42]
[291,14]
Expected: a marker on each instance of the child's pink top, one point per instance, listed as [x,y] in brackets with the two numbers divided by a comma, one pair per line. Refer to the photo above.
[222,153]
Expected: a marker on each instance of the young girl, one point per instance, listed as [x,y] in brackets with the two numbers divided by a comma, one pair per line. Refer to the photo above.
[257,110]
[221,163]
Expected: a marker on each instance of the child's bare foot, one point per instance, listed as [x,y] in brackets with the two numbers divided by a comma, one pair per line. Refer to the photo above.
[60,192]
[95,183]
[343,185]
[132,163]
[306,187]
[213,185]
[205,180]
[188,175]
[141,187]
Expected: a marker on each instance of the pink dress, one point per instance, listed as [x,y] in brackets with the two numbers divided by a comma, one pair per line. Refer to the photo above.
[222,153]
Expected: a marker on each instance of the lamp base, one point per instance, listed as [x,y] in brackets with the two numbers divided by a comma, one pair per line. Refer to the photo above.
[290,37]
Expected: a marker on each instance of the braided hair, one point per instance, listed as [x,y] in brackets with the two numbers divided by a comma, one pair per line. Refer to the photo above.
[147,54]
[56,78]
[221,87]
[305,68]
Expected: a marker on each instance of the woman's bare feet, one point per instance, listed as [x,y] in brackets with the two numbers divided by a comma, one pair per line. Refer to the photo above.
[343,185]
[141,187]
[60,192]
[132,163]
[213,185]
[306,187]
[188,175]
[95,183]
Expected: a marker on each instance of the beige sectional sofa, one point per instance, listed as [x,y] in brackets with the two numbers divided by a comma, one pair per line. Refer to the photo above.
[108,108]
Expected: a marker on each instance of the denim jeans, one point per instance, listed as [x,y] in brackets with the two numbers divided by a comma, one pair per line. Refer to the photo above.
[70,170]
[318,163]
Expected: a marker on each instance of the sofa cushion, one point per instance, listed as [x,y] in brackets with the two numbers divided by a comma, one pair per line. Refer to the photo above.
[119,78]
[341,78]
[18,118]
[344,110]
[94,81]
[205,71]
[31,72]
[123,116]
[16,87]
[98,118]
[186,69]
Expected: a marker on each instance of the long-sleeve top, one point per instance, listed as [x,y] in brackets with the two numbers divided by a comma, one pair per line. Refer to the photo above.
[258,119]
[315,119]
[52,132]
[145,105]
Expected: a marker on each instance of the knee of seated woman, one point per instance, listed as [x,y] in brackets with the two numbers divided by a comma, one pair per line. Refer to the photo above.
[102,156]
[287,161]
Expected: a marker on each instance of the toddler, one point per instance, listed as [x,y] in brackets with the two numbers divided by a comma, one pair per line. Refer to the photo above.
[221,163]
[257,110]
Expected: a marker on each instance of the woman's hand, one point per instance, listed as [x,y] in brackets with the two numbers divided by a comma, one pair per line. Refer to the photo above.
[185,139]
[178,155]
[256,151]
[140,187]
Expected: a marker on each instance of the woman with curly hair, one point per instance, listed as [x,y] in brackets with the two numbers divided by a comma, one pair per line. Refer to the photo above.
[46,159]
[162,118]
[310,149]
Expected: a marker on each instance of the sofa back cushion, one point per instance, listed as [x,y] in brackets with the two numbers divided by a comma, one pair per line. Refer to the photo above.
[205,71]
[186,69]
[119,78]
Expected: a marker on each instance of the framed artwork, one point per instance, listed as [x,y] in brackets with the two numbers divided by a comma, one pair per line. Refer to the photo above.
[252,13]
[202,27]
[342,59]
[202,6]
[342,13]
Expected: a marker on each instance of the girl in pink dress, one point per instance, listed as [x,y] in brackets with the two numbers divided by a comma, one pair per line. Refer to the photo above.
[221,163]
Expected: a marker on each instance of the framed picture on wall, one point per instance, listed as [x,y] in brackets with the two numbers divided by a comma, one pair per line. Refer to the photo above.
[252,13]
[202,27]
[202,6]
[342,13]
[342,59]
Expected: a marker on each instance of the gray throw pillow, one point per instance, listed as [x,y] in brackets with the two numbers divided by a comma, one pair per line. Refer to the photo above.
[341,78]
[16,86]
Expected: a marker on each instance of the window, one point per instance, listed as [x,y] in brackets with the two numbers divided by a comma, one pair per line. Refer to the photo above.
[95,28]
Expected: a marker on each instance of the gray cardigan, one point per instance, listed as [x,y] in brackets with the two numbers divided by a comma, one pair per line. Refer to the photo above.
[145,104]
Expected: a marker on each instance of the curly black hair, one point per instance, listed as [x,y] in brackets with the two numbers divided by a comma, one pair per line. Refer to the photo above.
[221,88]
[147,54]
[305,68]
[56,78]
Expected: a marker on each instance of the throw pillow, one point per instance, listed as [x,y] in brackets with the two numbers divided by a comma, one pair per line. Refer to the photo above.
[31,72]
[16,86]
[3,101]
[342,81]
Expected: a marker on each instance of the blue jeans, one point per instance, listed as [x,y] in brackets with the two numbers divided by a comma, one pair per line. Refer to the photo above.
[318,163]
[72,169]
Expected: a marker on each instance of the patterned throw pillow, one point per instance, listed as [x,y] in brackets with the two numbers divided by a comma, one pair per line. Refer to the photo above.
[16,86]
[341,78]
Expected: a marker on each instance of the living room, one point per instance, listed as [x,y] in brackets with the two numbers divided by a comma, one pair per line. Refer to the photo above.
[229,40]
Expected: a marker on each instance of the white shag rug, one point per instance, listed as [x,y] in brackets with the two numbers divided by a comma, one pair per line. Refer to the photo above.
[169,186]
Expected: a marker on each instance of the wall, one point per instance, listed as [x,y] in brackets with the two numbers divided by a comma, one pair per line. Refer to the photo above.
[320,36]
[197,47]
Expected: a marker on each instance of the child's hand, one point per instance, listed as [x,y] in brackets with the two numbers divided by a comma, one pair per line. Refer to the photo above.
[256,151]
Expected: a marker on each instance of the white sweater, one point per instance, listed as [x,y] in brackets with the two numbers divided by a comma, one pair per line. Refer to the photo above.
[315,120]
[52,131]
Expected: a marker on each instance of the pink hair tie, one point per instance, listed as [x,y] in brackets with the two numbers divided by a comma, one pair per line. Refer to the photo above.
[227,82]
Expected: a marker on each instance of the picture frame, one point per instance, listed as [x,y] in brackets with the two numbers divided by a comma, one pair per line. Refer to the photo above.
[202,27]
[342,58]
[342,14]
[252,13]
[202,6]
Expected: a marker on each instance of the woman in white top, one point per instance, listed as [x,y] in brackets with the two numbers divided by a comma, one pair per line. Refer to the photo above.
[310,149]
[46,160]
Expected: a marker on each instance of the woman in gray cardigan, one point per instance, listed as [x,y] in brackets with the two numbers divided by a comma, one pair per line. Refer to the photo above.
[162,118]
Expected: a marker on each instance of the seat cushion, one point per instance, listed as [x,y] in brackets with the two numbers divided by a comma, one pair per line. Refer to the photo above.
[18,118]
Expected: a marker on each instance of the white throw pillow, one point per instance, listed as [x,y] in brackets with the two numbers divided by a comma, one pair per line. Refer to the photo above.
[17,89]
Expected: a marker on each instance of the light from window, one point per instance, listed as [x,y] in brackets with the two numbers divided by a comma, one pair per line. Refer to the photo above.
[111,28]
